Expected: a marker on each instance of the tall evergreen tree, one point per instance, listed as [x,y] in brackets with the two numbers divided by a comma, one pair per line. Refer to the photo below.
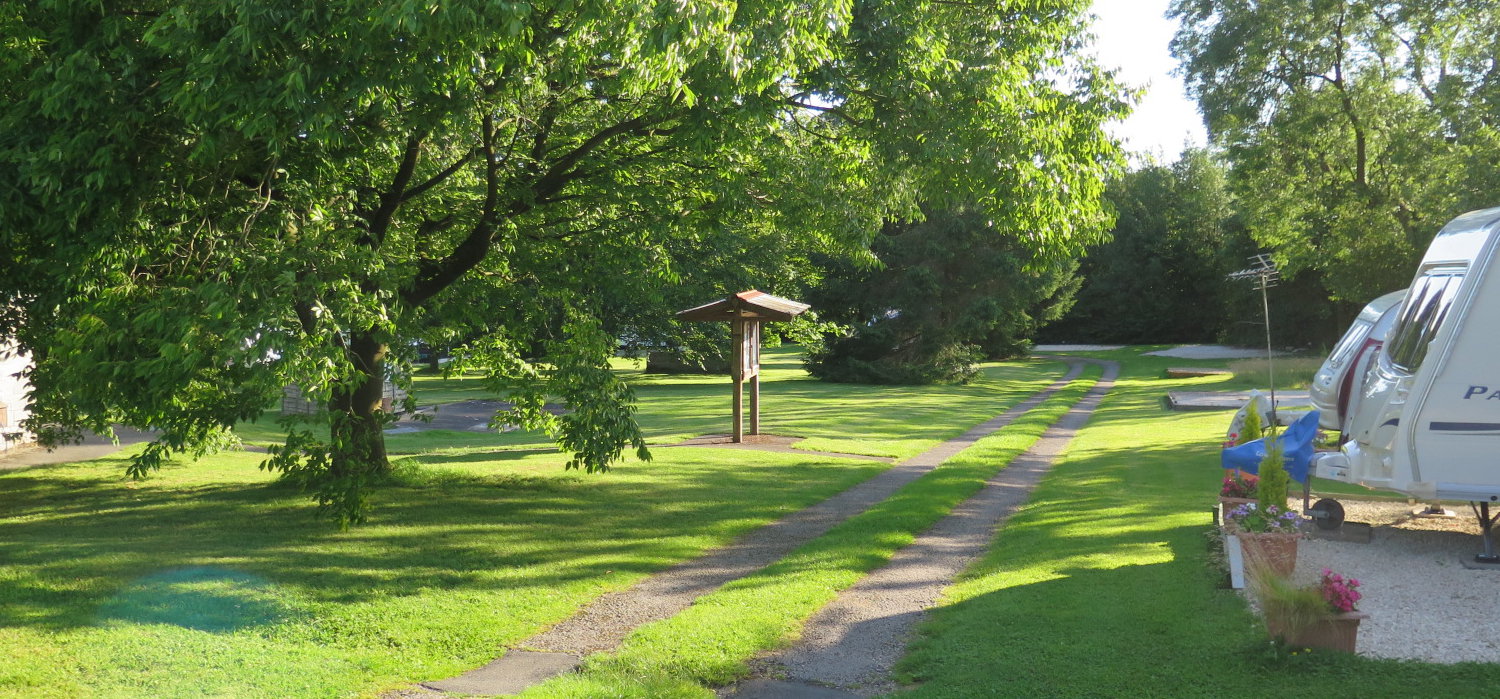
[943,294]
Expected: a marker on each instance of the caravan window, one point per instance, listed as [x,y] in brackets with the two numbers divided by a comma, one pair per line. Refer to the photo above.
[1426,307]
[1346,346]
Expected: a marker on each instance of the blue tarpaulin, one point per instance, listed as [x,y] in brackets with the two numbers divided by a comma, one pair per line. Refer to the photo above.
[1296,446]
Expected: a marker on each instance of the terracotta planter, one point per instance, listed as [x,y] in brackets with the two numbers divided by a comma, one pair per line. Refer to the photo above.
[1226,505]
[1276,551]
[1338,632]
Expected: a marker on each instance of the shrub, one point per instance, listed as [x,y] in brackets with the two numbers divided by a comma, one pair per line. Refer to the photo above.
[1252,428]
[877,356]
[1273,480]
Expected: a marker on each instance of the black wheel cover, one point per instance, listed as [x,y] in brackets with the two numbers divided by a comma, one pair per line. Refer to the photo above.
[1330,514]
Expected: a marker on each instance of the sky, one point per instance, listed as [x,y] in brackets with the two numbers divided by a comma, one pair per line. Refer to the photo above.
[1133,37]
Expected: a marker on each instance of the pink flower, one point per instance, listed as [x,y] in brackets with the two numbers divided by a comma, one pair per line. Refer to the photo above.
[1339,592]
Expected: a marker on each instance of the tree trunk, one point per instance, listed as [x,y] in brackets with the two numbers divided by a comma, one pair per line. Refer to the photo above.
[357,420]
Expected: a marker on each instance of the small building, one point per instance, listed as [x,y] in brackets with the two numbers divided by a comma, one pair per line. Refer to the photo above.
[294,403]
[15,405]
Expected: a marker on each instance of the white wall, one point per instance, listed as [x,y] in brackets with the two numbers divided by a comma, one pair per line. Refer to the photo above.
[13,396]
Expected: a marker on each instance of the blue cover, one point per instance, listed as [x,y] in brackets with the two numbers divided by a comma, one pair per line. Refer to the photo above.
[1296,446]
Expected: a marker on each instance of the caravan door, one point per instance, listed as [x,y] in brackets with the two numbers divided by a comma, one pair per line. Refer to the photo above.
[1336,377]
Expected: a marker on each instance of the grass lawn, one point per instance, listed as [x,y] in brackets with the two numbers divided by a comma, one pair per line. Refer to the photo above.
[1100,587]
[212,579]
[894,421]
[711,642]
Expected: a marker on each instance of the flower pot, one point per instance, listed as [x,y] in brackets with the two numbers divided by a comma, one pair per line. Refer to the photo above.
[1337,632]
[1228,504]
[1274,550]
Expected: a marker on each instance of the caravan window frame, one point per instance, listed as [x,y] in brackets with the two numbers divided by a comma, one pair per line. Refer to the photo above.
[1344,350]
[1422,316]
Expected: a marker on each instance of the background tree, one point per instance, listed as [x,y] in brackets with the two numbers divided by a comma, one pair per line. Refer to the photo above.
[942,294]
[1355,129]
[204,201]
[1160,276]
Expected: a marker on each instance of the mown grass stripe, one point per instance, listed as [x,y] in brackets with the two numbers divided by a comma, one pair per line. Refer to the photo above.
[1101,586]
[713,641]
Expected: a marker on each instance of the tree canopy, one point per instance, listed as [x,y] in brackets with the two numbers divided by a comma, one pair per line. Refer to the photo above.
[1160,276]
[943,294]
[201,202]
[1356,128]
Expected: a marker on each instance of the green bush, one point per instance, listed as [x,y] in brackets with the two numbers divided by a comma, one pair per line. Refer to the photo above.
[1252,428]
[947,292]
[1273,481]
[878,356]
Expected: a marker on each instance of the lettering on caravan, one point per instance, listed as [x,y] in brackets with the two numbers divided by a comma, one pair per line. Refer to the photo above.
[1484,391]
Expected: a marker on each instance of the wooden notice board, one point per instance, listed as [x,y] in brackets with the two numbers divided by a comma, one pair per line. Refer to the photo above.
[745,311]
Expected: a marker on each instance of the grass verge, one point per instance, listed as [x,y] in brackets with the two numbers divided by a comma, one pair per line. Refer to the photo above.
[892,421]
[213,580]
[1100,586]
[712,641]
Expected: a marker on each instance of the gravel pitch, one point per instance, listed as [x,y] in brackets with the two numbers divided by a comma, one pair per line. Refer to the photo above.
[1211,352]
[1423,603]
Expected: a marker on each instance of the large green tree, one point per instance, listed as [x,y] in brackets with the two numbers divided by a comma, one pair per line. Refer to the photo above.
[1160,276]
[204,200]
[940,295]
[1356,127]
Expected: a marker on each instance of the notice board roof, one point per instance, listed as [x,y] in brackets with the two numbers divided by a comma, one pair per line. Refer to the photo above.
[746,305]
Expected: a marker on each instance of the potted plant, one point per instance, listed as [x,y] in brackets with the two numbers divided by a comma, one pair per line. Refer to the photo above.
[1237,489]
[1268,536]
[1252,429]
[1324,615]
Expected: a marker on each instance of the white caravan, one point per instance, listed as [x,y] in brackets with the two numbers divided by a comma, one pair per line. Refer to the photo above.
[1342,375]
[1428,423]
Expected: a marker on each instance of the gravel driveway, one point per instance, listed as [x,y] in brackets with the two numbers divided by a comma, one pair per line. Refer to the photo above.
[1423,603]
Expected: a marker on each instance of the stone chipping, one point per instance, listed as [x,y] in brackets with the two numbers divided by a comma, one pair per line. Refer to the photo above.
[1423,603]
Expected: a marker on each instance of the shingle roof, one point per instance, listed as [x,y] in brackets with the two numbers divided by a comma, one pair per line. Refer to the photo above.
[747,305]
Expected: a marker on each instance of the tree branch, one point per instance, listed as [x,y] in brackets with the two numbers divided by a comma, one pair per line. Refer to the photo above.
[836,111]
[435,276]
[440,177]
[379,220]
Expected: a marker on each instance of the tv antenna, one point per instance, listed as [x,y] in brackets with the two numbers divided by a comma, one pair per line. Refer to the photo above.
[1265,274]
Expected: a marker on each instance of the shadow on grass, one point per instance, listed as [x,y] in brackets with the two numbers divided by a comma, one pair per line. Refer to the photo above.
[67,545]
[201,598]
[1102,586]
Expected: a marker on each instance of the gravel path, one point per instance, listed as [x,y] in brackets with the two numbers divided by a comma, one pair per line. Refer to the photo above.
[1423,603]
[604,623]
[852,643]
[91,447]
[1211,352]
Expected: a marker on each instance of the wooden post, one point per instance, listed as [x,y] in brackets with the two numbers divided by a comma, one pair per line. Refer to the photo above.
[755,404]
[739,412]
[752,350]
[737,375]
